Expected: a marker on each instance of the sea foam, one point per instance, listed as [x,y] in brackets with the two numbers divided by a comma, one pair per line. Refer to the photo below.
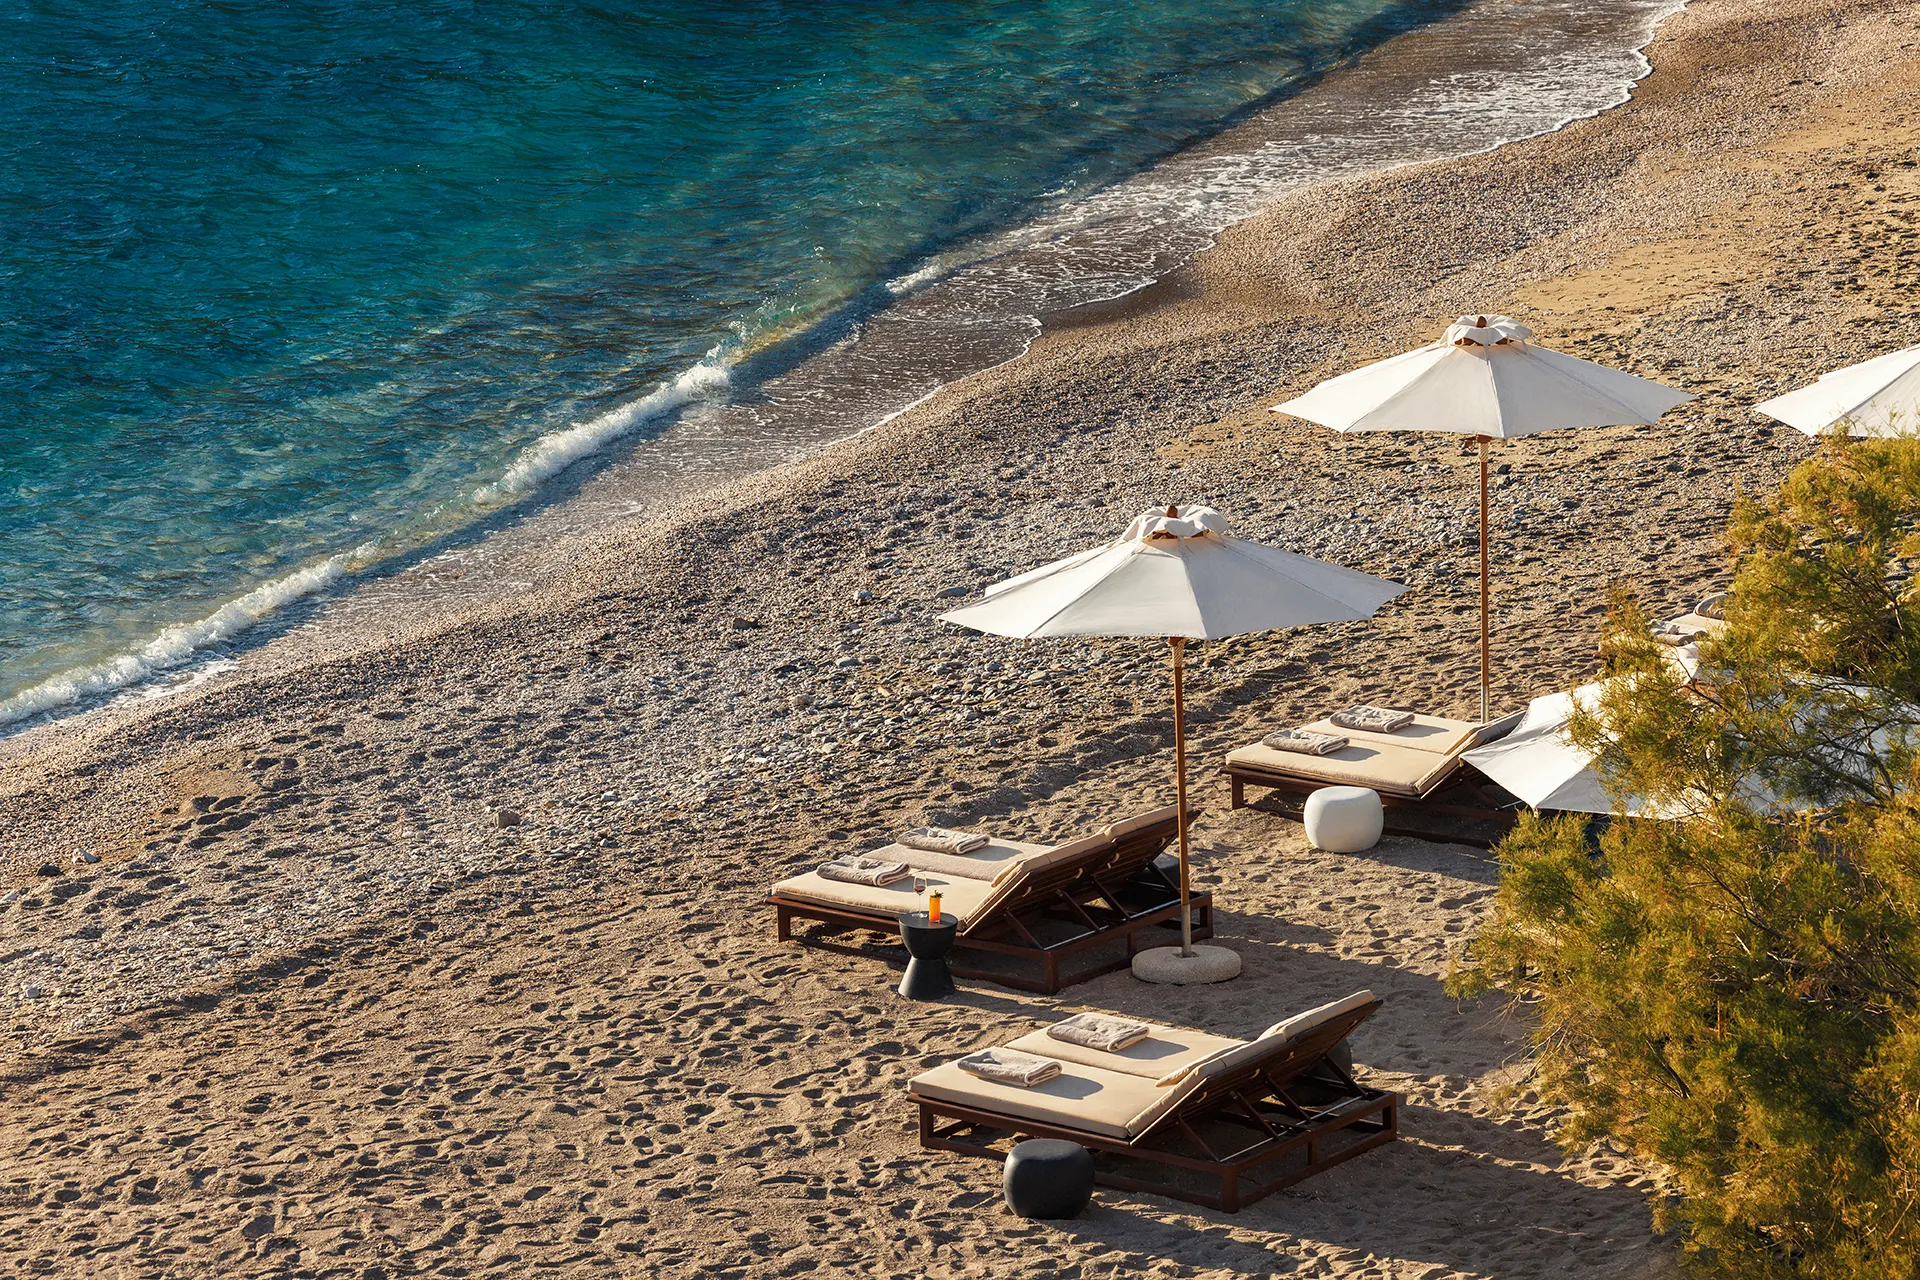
[178,643]
[555,452]
[538,462]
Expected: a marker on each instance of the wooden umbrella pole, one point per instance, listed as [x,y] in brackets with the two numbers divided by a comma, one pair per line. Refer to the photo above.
[1179,646]
[1486,643]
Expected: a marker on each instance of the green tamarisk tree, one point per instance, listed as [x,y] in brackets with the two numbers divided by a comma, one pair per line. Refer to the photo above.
[1729,984]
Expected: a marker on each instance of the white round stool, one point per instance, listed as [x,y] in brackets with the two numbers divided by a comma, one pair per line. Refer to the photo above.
[1343,819]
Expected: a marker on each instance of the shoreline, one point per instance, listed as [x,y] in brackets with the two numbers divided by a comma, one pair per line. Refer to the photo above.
[332,971]
[1113,238]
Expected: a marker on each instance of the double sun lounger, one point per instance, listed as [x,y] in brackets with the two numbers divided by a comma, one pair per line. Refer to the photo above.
[1037,906]
[1218,1122]
[1419,766]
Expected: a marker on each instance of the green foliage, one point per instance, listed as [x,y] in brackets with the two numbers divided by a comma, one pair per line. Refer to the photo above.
[1732,988]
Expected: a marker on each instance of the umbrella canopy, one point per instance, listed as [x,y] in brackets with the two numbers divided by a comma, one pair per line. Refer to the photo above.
[1175,575]
[1182,575]
[1539,762]
[1879,397]
[1482,378]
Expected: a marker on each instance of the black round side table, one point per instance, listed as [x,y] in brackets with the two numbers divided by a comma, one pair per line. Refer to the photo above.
[1048,1178]
[927,976]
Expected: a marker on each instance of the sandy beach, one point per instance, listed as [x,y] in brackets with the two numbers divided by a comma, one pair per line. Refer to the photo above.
[286,995]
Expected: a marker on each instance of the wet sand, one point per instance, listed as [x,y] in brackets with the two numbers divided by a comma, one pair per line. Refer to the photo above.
[311,1010]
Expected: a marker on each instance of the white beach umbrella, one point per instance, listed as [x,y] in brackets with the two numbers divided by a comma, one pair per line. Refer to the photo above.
[1176,574]
[1483,379]
[1878,397]
[1539,762]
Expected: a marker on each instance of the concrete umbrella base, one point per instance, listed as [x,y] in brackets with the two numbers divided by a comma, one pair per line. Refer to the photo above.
[1206,964]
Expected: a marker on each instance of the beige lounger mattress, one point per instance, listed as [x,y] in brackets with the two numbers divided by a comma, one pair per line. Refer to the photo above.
[962,899]
[997,856]
[1166,1049]
[1112,1104]
[1427,733]
[965,899]
[1395,770]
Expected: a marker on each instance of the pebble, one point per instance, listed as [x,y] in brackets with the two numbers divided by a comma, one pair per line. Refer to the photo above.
[951,593]
[863,596]
[503,818]
[86,855]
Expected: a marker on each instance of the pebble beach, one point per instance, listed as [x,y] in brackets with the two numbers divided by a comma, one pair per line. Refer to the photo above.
[430,938]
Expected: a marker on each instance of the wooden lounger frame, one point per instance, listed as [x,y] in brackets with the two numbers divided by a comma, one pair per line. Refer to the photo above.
[1463,793]
[1260,1096]
[1113,893]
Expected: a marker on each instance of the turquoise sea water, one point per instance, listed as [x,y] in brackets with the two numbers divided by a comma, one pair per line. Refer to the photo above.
[289,288]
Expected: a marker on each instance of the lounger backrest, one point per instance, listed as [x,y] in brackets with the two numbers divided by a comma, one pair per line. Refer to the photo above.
[1112,857]
[1278,1034]
[1300,1023]
[1151,818]
[1138,841]
[1041,878]
[1071,851]
[1492,731]
[1274,1059]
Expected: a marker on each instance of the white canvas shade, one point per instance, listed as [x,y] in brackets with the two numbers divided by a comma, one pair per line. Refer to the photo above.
[1482,378]
[1178,574]
[1878,397]
[1539,763]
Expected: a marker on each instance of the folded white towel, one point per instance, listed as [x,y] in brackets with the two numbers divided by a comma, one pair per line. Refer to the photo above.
[941,840]
[1100,1031]
[1372,719]
[1304,742]
[867,871]
[1010,1066]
